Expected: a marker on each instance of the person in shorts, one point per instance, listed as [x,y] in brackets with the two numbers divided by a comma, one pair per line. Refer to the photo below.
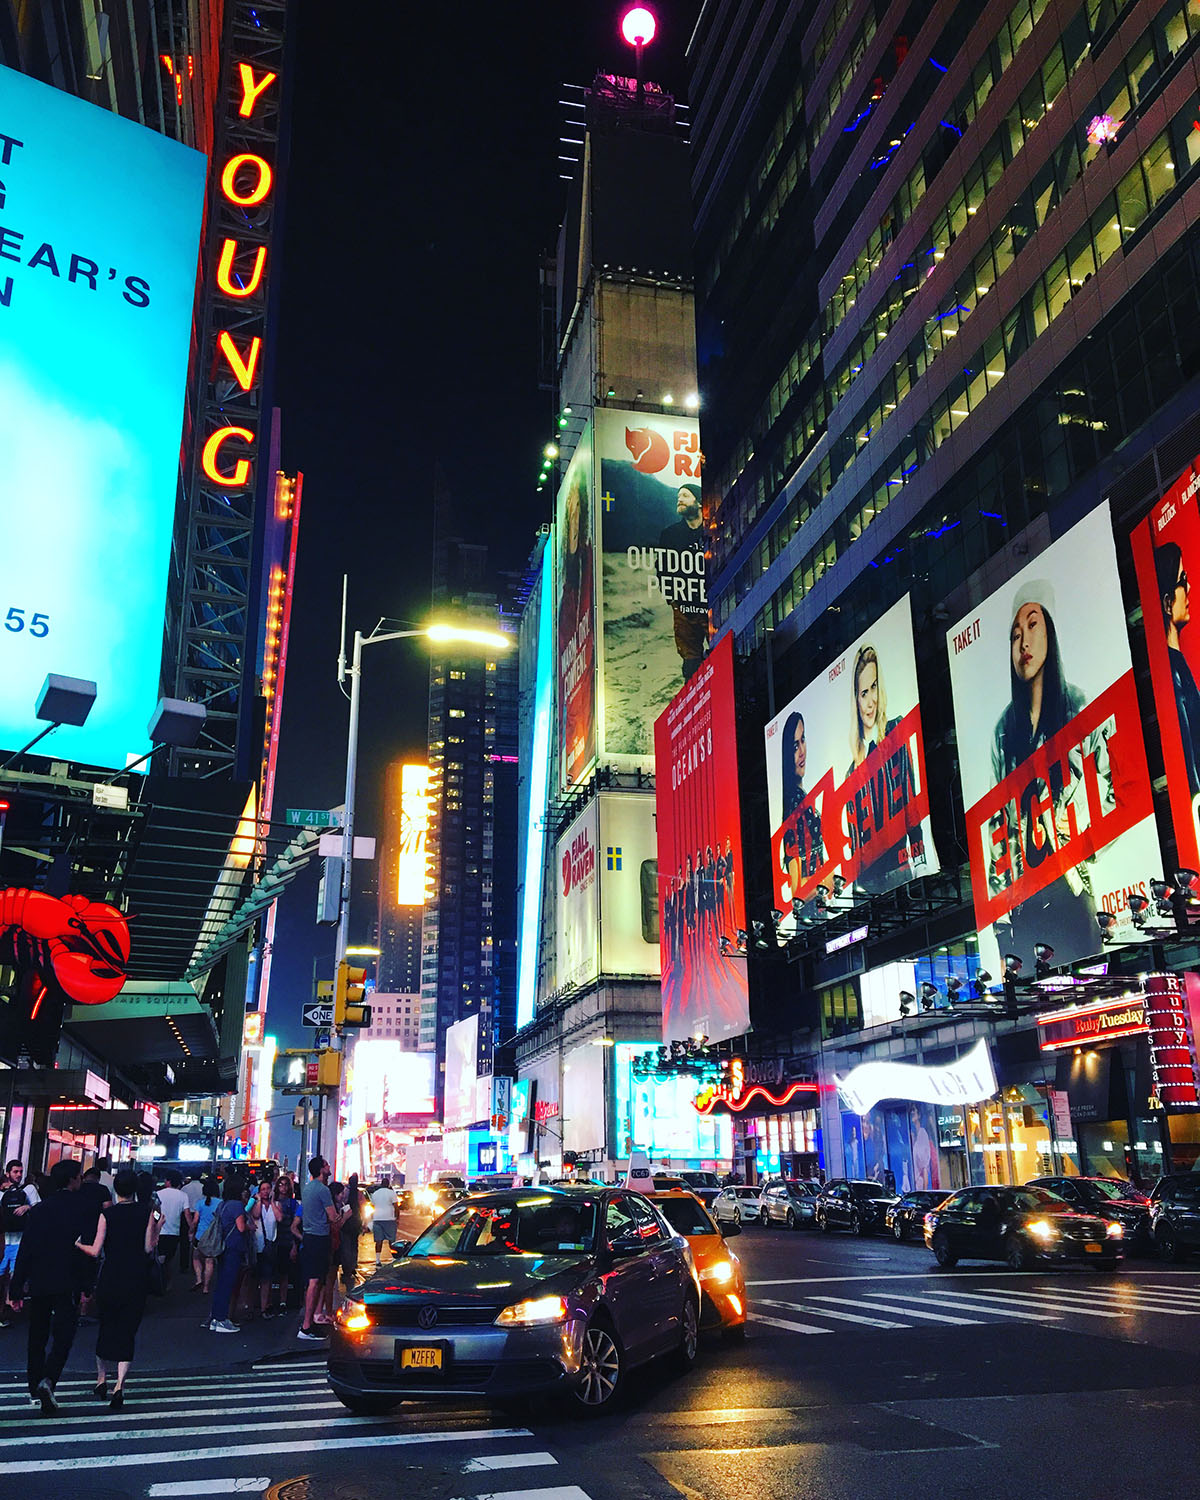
[319,1222]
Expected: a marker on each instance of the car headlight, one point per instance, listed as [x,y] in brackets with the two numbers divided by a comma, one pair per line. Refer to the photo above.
[353,1317]
[532,1311]
[1042,1229]
[721,1273]
[1115,1231]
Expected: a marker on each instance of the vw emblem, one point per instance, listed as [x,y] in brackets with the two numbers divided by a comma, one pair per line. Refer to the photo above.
[427,1317]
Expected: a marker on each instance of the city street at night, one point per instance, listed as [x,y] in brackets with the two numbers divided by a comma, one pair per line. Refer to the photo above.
[865,1370]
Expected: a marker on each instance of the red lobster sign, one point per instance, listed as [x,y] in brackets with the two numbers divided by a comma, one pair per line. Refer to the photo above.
[81,946]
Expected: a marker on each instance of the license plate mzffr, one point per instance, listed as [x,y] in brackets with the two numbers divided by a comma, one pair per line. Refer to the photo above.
[420,1357]
[1092,1249]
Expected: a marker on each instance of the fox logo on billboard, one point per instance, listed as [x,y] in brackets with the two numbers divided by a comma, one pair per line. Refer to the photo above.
[651,455]
[578,862]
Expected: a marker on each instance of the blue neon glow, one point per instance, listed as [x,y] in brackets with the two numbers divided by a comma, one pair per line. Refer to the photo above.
[99,234]
[941,67]
[539,787]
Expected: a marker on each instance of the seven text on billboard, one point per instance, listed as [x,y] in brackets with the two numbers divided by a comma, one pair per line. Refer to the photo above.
[1059,823]
[653,589]
[869,822]
[93,362]
[701,879]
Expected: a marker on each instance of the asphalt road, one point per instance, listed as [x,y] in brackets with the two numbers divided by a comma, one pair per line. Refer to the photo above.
[867,1371]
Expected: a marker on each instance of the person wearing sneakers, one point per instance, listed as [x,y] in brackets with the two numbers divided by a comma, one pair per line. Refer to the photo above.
[49,1271]
[320,1220]
[234,1222]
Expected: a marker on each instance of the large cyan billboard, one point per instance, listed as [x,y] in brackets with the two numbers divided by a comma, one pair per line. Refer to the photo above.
[575,540]
[1165,546]
[654,597]
[847,792]
[99,234]
[1059,822]
[701,874]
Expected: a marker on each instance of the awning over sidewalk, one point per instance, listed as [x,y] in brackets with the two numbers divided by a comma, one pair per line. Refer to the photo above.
[147,1023]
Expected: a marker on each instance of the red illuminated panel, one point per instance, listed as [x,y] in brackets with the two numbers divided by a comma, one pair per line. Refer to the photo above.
[1088,1024]
[1172,1050]
[705,1103]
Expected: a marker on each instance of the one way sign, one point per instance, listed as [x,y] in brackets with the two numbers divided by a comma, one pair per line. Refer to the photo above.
[316,1014]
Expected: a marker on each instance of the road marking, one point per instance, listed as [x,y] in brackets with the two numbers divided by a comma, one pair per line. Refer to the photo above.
[242,1380]
[212,1487]
[509,1461]
[1192,1293]
[966,1300]
[319,1443]
[310,1388]
[139,1415]
[791,1327]
[1128,1304]
[1043,1299]
[830,1312]
[933,1274]
[114,1434]
[555,1492]
[912,1312]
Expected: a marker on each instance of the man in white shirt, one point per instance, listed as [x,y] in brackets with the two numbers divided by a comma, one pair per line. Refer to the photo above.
[173,1202]
[383,1201]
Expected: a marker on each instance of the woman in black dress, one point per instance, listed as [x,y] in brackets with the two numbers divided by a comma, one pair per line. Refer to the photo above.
[127,1234]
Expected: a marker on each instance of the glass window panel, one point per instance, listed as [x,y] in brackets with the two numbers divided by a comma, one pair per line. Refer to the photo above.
[1081,258]
[1132,203]
[1174,30]
[1106,232]
[1142,68]
[1159,167]
[1054,74]
[1037,300]
[977,389]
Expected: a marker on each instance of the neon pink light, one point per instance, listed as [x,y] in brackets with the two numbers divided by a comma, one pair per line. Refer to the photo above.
[785,1098]
[638,26]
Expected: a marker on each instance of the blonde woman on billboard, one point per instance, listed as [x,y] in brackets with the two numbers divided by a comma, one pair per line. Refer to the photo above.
[894,866]
[1042,702]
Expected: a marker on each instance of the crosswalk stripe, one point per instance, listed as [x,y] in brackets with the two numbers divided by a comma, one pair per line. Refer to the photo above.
[139,1414]
[555,1492]
[1042,1299]
[913,1312]
[190,1488]
[318,1443]
[151,1398]
[963,1300]
[1128,1302]
[756,1317]
[242,1379]
[1191,1293]
[509,1461]
[830,1312]
[114,1434]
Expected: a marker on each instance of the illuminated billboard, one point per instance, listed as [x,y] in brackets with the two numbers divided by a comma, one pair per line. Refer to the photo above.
[654,597]
[629,907]
[1165,545]
[701,873]
[414,828]
[656,1114]
[387,1083]
[96,287]
[1059,822]
[576,617]
[462,1050]
[578,901]
[846,787]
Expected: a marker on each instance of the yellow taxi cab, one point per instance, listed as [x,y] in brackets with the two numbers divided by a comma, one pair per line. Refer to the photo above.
[722,1281]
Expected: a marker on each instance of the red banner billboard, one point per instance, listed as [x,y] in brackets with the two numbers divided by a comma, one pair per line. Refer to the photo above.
[700,869]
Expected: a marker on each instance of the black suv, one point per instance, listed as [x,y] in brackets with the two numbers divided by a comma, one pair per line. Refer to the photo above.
[860,1207]
[1175,1215]
[1110,1197]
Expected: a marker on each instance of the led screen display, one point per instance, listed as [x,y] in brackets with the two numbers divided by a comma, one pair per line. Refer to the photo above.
[657,1115]
[99,234]
[1059,822]
[575,534]
[414,829]
[462,1048]
[701,874]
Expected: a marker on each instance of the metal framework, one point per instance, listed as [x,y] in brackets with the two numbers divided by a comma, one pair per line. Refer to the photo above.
[211,630]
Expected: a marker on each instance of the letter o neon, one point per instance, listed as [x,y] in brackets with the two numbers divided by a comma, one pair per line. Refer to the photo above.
[258,193]
[208,460]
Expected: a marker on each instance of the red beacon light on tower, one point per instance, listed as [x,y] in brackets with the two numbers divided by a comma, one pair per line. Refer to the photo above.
[638,26]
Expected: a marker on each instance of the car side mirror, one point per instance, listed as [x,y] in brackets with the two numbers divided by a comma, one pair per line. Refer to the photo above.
[626,1244]
[728,1230]
[400,1247]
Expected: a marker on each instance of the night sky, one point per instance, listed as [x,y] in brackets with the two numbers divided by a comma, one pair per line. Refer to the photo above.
[422,188]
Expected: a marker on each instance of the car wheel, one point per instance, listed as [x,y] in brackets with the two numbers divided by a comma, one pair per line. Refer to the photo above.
[823,1222]
[737,1216]
[764,1218]
[856,1224]
[601,1369]
[367,1406]
[1168,1246]
[791,1219]
[898,1230]
[1016,1253]
[689,1336]
[942,1252]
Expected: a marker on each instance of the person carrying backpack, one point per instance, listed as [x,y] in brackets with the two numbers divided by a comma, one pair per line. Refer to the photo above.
[204,1256]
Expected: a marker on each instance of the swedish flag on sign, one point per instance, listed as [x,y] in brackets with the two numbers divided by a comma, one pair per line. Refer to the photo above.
[614,856]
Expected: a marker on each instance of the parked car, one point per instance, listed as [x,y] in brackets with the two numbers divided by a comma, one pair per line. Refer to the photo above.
[906,1217]
[1020,1225]
[788,1200]
[1175,1215]
[705,1185]
[1111,1198]
[860,1207]
[530,1290]
[735,1203]
[722,1281]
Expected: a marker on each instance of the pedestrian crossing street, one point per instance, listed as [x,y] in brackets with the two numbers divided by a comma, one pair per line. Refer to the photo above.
[239,1433]
[814,1307]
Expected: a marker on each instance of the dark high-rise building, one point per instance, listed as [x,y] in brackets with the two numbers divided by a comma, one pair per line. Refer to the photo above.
[468,960]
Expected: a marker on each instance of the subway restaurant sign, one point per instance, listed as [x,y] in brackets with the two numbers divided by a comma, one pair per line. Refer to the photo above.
[1085,1025]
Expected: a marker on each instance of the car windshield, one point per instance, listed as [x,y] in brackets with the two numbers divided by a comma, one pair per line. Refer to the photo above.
[540,1224]
[862,1190]
[1033,1198]
[800,1188]
[685,1216]
[1105,1187]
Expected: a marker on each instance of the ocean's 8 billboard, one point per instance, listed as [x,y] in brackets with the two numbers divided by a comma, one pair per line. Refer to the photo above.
[99,236]
[653,587]
[1059,823]
[574,534]
[847,792]
[701,874]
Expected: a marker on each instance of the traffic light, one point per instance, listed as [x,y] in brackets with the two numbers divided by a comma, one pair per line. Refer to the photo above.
[348,1009]
[329,1068]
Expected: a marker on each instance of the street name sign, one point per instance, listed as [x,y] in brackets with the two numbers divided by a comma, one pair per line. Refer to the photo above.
[311,817]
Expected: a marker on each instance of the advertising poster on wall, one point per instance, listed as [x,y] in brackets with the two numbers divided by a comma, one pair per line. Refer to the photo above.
[96,290]
[575,536]
[655,598]
[1059,821]
[846,787]
[462,1047]
[1165,546]
[578,903]
[629,905]
[701,881]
